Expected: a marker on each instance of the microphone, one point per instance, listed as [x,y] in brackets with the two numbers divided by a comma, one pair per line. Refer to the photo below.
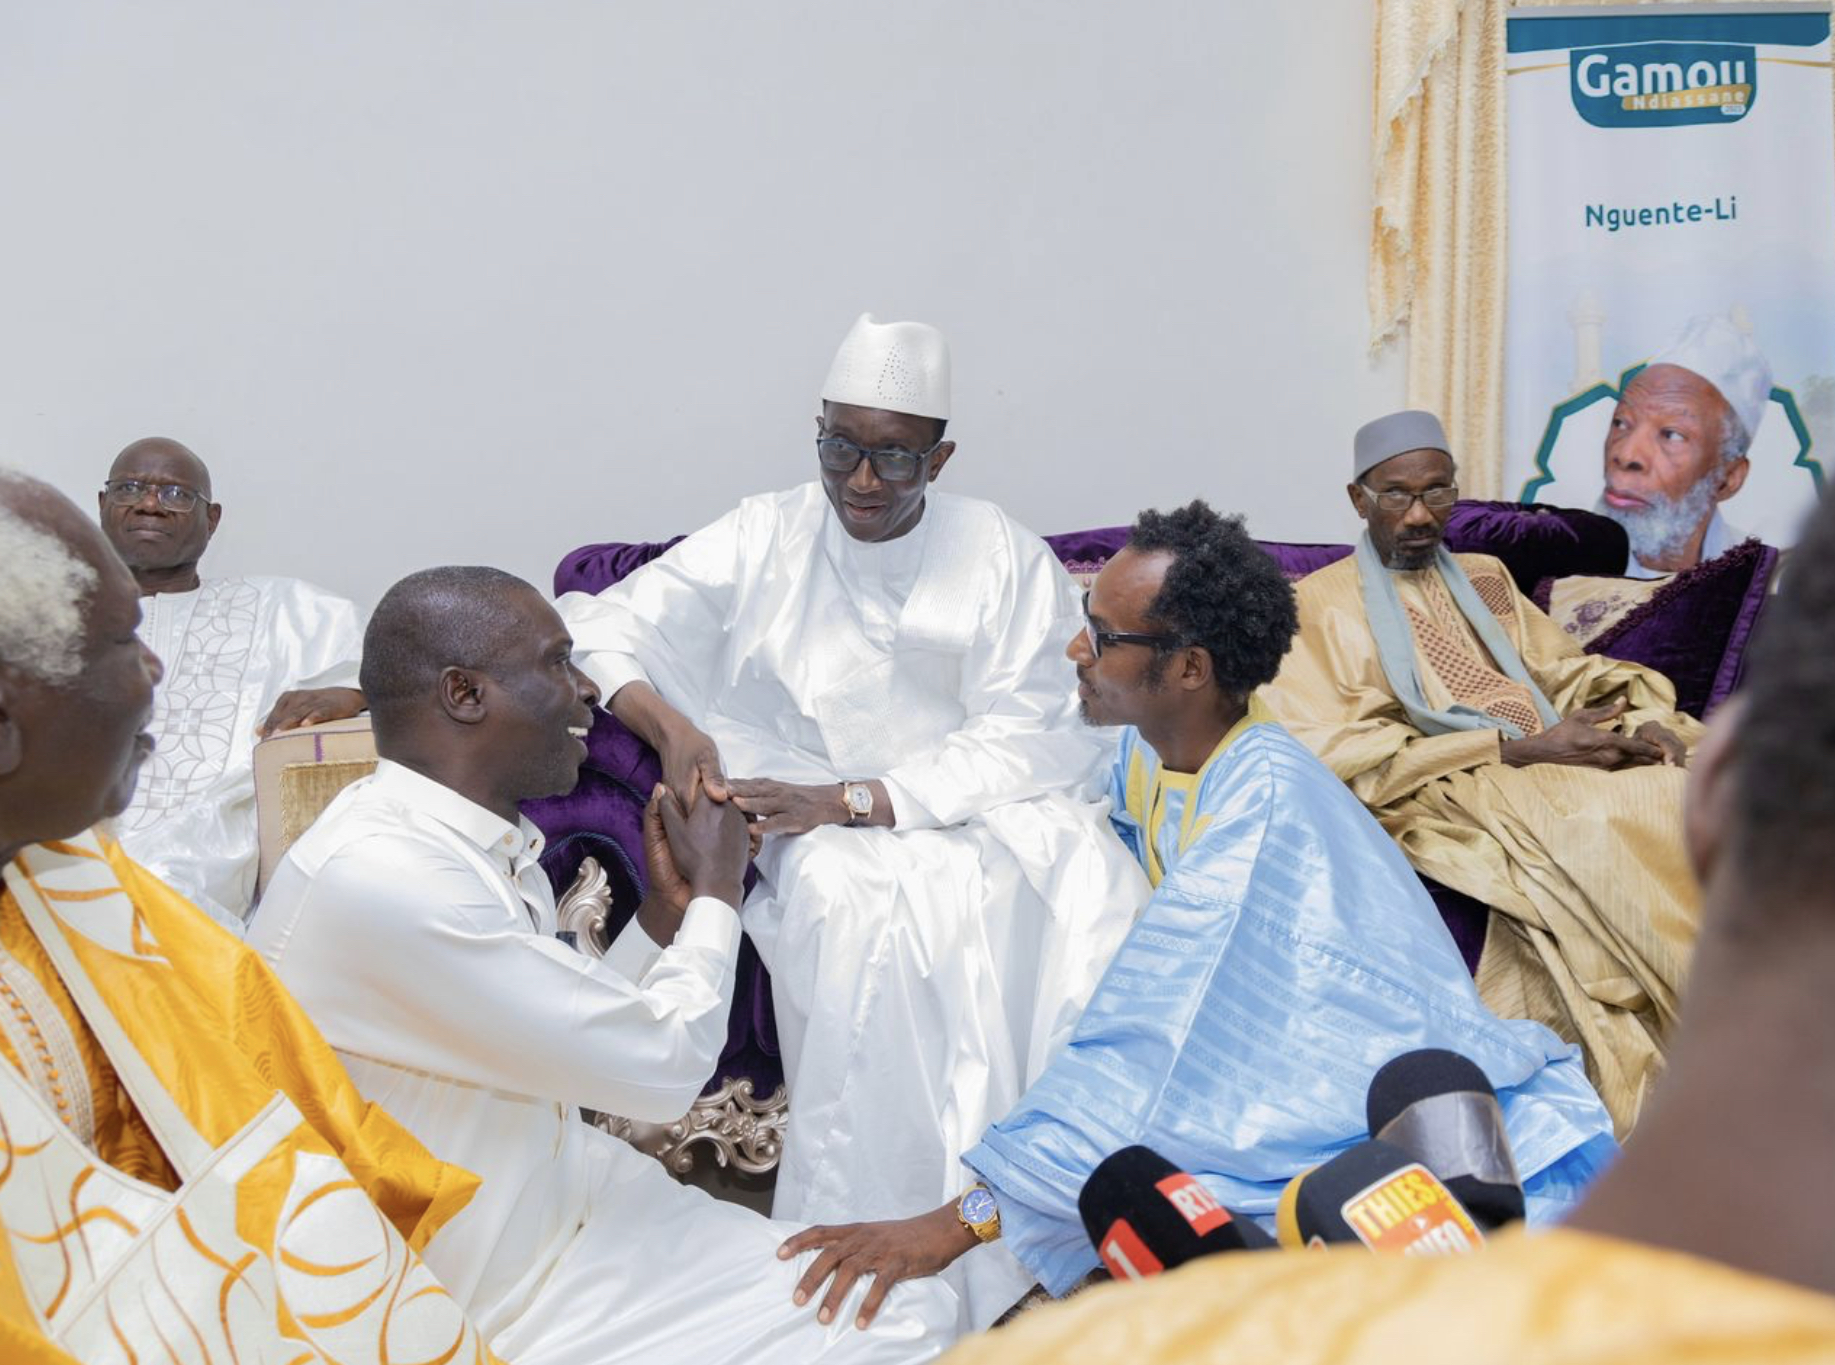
[1375,1194]
[1440,1109]
[1145,1215]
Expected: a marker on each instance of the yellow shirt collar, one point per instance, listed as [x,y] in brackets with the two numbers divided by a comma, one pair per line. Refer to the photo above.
[1146,792]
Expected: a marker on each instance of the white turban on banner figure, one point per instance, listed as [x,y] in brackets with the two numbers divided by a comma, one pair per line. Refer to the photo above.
[1677,446]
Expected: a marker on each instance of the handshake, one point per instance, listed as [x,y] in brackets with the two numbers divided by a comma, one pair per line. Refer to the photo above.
[702,827]
[689,853]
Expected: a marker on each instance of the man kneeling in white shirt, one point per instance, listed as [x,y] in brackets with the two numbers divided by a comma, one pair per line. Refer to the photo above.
[414,924]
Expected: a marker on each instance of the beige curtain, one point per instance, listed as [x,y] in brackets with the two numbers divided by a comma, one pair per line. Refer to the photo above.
[1437,249]
[1437,262]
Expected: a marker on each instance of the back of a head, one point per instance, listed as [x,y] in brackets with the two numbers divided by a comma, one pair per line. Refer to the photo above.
[463,615]
[44,583]
[1783,836]
[1223,592]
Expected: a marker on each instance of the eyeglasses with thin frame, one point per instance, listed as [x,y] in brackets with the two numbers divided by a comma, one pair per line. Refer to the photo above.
[1439,497]
[1100,638]
[174,497]
[893,465]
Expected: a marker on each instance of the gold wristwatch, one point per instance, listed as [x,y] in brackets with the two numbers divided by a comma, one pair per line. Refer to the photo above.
[858,798]
[979,1212]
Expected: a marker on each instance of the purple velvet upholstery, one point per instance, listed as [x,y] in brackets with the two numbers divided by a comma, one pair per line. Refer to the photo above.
[1467,919]
[1532,541]
[1085,552]
[603,818]
[1535,541]
[592,568]
[1695,630]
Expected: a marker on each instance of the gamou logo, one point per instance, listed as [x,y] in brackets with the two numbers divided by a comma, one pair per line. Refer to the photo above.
[1661,85]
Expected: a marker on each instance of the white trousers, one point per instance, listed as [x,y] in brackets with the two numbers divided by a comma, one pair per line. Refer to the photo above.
[922,980]
[664,1272]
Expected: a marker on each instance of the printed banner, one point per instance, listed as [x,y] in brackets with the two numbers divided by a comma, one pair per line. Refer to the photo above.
[1670,344]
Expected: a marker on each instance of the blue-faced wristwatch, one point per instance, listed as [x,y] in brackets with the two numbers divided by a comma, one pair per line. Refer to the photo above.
[979,1212]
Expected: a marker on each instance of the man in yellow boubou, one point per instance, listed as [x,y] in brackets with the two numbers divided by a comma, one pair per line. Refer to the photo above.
[186,1170]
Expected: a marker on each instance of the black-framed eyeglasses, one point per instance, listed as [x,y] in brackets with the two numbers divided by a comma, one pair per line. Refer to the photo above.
[174,497]
[893,465]
[1099,639]
[1440,496]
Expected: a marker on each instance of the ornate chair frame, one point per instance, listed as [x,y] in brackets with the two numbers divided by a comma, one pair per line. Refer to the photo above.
[742,1131]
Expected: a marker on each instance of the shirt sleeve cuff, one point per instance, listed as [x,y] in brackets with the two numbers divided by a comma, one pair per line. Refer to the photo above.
[633,952]
[907,811]
[610,672]
[711,924]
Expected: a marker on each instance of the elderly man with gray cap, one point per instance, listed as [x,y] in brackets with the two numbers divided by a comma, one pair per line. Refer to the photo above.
[1508,765]
[875,673]
[1677,447]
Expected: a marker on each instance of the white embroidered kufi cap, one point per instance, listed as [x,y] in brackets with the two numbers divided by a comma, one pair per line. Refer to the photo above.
[1712,347]
[893,366]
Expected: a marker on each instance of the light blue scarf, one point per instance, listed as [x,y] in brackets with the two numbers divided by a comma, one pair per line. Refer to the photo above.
[1395,646]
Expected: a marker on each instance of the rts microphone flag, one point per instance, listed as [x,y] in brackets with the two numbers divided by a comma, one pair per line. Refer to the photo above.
[1144,1215]
[1438,1107]
[1375,1194]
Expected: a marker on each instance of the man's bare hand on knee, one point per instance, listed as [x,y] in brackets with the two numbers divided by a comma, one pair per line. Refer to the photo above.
[797,808]
[901,1249]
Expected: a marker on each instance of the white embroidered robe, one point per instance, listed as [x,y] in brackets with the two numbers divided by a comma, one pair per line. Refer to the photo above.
[231,647]
[923,975]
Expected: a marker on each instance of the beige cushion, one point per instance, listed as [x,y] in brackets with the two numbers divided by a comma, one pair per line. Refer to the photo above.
[1588,607]
[297,773]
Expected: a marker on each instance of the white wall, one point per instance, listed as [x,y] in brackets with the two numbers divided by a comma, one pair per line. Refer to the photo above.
[433,281]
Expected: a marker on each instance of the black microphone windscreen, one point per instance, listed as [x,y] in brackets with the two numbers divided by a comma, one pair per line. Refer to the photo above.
[1439,1107]
[1400,1081]
[1143,1215]
[1377,1194]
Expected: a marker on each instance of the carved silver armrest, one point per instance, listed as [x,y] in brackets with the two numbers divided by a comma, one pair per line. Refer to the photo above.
[741,1130]
[583,909]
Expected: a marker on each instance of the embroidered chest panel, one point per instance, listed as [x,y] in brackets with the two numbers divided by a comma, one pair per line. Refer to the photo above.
[195,710]
[1448,647]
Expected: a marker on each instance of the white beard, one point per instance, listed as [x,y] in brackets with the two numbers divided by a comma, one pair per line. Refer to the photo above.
[1663,527]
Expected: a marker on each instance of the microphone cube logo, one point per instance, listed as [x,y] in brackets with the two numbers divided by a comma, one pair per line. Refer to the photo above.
[1663,85]
[1411,1212]
[1196,1205]
[1126,1255]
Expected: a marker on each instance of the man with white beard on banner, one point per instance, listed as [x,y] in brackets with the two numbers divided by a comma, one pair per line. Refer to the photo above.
[1677,447]
[881,669]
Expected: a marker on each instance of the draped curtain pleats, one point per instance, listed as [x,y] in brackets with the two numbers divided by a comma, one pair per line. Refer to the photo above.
[1438,269]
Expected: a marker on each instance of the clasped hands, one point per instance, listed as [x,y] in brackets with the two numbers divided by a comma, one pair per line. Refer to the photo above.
[691,765]
[700,828]
[1580,740]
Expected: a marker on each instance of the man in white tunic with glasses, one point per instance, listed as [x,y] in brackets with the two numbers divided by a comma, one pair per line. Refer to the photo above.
[244,657]
[875,674]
